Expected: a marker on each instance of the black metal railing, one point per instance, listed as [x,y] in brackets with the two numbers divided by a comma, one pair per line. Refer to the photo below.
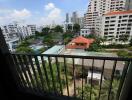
[77,77]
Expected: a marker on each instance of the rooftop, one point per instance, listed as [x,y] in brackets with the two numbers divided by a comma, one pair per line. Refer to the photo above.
[54,50]
[95,75]
[81,39]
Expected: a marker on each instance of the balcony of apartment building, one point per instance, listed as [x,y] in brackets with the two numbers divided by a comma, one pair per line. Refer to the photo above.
[63,77]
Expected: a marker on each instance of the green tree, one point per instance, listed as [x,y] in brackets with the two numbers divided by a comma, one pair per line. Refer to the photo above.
[93,36]
[103,40]
[24,43]
[95,91]
[46,30]
[76,28]
[105,87]
[37,33]
[123,38]
[86,92]
[69,27]
[67,36]
[58,28]
[130,42]
[48,40]
[24,50]
[94,47]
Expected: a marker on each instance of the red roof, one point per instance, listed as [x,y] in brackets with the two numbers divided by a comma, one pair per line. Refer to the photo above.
[74,43]
[81,39]
[119,12]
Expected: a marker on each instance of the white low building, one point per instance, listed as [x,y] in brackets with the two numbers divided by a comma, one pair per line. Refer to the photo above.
[84,32]
[12,43]
[96,77]
[115,24]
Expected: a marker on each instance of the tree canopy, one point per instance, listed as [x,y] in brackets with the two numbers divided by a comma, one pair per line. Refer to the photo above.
[45,30]
[130,42]
[24,50]
[76,28]
[58,28]
[123,38]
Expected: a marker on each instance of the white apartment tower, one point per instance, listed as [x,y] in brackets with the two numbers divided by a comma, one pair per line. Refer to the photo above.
[115,24]
[33,28]
[97,8]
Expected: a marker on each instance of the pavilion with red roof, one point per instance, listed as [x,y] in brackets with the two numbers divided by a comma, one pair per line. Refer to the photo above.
[79,43]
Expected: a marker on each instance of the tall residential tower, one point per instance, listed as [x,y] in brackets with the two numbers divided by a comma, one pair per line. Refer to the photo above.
[97,8]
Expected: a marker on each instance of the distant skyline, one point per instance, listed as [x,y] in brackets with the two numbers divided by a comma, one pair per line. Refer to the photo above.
[40,12]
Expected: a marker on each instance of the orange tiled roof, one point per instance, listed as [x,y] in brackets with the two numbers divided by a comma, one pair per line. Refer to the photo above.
[119,12]
[81,39]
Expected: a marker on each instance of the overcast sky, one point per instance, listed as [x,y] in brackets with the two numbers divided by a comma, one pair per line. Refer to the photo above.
[39,11]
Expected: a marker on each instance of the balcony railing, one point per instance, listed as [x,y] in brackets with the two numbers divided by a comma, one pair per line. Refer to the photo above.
[70,76]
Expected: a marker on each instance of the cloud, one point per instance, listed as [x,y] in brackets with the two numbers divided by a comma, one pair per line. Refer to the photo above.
[49,6]
[8,16]
[4,11]
[53,15]
[21,14]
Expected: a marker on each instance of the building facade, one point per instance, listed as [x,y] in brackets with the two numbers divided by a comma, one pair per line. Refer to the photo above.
[13,33]
[71,20]
[115,24]
[32,28]
[11,36]
[97,8]
[85,32]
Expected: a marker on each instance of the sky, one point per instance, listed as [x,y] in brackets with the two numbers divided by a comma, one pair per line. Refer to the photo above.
[40,12]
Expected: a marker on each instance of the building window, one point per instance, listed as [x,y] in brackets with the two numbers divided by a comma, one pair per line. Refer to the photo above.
[125,16]
[106,21]
[113,17]
[130,16]
[112,21]
[112,25]
[120,17]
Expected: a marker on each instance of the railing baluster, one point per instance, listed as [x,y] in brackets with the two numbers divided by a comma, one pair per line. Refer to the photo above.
[39,72]
[112,77]
[58,70]
[51,72]
[102,72]
[91,80]
[29,72]
[35,74]
[74,77]
[19,71]
[24,71]
[122,78]
[65,67]
[43,79]
[82,75]
[46,74]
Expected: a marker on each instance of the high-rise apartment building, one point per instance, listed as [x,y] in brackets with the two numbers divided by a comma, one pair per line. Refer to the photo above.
[67,18]
[71,20]
[74,18]
[97,8]
[32,28]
